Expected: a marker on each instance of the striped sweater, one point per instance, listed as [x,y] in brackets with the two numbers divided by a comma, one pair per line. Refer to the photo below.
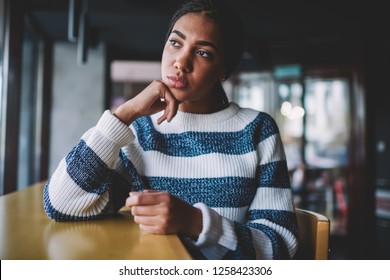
[229,164]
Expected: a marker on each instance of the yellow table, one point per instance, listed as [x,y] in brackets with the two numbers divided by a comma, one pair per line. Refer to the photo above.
[27,233]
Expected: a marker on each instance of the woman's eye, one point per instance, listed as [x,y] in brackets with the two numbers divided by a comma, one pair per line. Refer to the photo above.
[174,43]
[204,54]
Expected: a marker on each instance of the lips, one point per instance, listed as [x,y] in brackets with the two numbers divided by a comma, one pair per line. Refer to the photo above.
[177,81]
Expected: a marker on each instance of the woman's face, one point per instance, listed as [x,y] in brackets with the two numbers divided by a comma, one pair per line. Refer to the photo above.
[192,60]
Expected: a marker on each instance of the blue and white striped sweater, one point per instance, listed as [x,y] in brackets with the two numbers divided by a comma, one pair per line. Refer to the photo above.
[230,164]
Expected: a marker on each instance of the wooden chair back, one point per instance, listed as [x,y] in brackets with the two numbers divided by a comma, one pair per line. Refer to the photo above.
[314,229]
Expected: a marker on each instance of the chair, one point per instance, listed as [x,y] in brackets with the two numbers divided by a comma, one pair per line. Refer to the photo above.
[313,239]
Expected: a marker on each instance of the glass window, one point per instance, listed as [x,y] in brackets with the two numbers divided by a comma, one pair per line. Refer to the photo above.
[313,118]
[28,164]
[255,90]
[289,115]
[326,103]
[128,78]
[326,149]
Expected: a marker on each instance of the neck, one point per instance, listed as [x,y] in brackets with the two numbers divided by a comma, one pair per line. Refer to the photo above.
[199,107]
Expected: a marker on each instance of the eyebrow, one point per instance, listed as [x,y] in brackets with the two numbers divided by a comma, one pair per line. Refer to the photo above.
[199,42]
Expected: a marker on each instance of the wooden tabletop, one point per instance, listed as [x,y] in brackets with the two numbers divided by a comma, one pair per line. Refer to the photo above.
[27,233]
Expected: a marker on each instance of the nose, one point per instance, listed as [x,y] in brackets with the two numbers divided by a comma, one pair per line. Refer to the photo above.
[183,62]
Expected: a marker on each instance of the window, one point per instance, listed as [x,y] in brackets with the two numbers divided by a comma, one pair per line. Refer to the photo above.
[313,118]
[30,110]
[24,100]
[128,78]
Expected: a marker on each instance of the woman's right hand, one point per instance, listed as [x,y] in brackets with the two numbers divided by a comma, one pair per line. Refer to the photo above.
[154,98]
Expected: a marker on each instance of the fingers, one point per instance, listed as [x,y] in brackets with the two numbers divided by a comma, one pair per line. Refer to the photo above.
[147,197]
[153,219]
[156,97]
[162,213]
[150,210]
[171,105]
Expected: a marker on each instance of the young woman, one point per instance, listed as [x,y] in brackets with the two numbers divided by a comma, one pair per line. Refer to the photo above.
[184,159]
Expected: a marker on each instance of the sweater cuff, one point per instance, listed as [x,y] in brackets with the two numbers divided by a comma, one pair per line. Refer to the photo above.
[211,230]
[216,229]
[114,129]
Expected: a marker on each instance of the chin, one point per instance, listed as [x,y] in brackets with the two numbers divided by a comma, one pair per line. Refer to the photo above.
[180,94]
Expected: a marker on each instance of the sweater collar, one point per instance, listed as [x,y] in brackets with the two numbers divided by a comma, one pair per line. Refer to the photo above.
[195,121]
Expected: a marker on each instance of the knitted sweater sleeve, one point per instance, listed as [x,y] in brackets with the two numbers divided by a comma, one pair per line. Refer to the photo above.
[269,230]
[88,183]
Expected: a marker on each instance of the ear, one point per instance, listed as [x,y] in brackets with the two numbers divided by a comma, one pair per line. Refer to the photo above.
[223,76]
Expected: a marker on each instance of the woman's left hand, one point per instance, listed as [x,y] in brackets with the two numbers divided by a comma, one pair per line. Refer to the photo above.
[163,213]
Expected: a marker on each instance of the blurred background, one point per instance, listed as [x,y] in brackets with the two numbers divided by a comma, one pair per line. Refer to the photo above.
[320,68]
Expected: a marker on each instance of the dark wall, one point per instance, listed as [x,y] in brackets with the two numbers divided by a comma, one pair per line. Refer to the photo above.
[376,55]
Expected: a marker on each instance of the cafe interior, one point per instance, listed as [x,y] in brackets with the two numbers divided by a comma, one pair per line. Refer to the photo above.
[318,67]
